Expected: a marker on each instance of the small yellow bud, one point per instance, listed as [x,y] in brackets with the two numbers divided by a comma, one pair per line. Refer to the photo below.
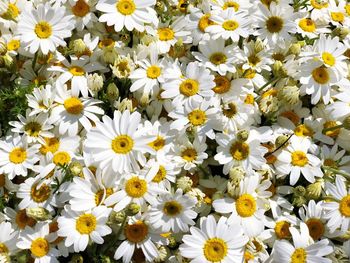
[38,213]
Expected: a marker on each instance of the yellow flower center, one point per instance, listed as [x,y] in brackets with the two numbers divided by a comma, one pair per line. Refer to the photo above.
[135,187]
[222,83]
[189,154]
[249,99]
[233,4]
[299,256]
[197,117]
[320,75]
[282,230]
[122,144]
[61,158]
[307,24]
[161,174]
[319,4]
[86,224]
[303,130]
[43,30]
[73,105]
[347,9]
[51,145]
[126,7]
[99,195]
[18,155]
[253,60]
[337,17]
[77,71]
[32,129]
[165,34]
[274,24]
[293,117]
[11,13]
[157,144]
[40,194]
[248,256]
[81,8]
[249,73]
[278,57]
[230,25]
[215,249]
[106,43]
[239,150]
[189,87]
[40,247]
[299,159]
[217,58]
[153,72]
[328,58]
[13,44]
[229,110]
[330,163]
[3,249]
[316,228]
[344,206]
[333,133]
[172,208]
[22,220]
[136,232]
[204,22]
[246,205]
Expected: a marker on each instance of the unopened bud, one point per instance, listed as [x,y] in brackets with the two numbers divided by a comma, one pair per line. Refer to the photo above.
[79,46]
[281,140]
[76,168]
[295,49]
[132,209]
[38,213]
[242,135]
[258,46]
[314,190]
[95,82]
[112,92]
[289,94]
[184,183]
[236,174]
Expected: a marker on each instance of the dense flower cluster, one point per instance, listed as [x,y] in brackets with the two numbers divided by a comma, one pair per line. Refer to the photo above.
[177,131]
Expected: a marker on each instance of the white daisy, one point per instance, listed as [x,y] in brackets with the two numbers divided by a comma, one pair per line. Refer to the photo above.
[41,100]
[8,239]
[83,12]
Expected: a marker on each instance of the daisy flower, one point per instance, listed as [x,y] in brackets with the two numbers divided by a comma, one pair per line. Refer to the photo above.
[216,56]
[131,14]
[199,20]
[119,143]
[194,84]
[303,249]
[72,110]
[340,109]
[135,188]
[233,152]
[236,5]
[83,11]
[295,160]
[38,241]
[229,24]
[44,28]
[80,227]
[8,239]
[16,157]
[214,242]
[41,100]
[338,211]
[173,212]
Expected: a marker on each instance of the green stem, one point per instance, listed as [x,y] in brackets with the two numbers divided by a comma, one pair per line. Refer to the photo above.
[111,244]
[332,128]
[268,83]
[336,171]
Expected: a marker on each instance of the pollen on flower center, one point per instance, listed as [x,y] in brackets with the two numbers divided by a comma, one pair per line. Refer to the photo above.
[328,58]
[246,205]
[13,44]
[157,144]
[136,232]
[99,195]
[233,4]
[165,34]
[319,4]
[316,228]
[153,72]
[32,129]
[333,133]
[307,24]
[299,159]
[77,71]
[189,154]
[303,130]
[337,17]
[40,247]
[172,208]
[18,155]
[51,145]
[161,174]
[126,7]
[40,194]
[215,249]
[197,117]
[73,105]
[43,30]
[217,58]
[86,224]
[204,22]
[344,206]
[189,87]
[12,12]
[3,248]
[122,144]
[230,25]
[320,75]
[61,158]
[222,83]
[282,229]
[299,256]
[274,24]
[135,187]
[81,8]
[239,150]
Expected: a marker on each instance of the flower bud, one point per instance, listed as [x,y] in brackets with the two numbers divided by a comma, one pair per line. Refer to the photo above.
[184,183]
[79,46]
[132,209]
[236,174]
[112,92]
[76,169]
[258,46]
[95,82]
[3,48]
[295,49]
[38,213]
[314,191]
[281,140]
[289,94]
[242,135]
